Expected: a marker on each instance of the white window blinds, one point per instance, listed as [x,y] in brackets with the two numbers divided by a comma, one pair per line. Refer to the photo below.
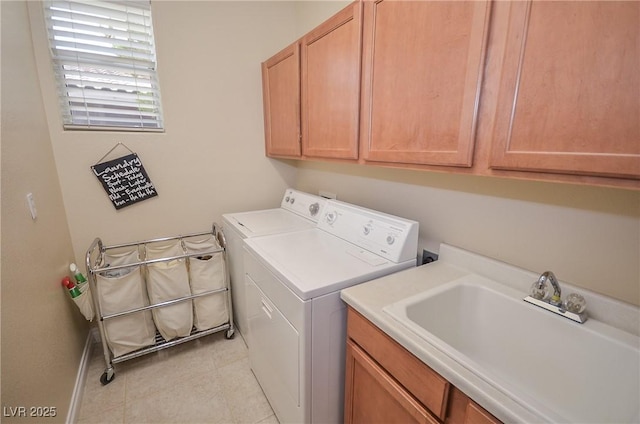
[105,64]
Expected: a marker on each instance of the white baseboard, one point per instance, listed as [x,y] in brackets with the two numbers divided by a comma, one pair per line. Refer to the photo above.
[81,377]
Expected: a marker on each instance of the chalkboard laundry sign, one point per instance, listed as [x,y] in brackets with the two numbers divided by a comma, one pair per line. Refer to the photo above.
[124,179]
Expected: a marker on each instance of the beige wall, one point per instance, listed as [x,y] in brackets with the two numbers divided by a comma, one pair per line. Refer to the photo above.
[309,14]
[210,160]
[43,334]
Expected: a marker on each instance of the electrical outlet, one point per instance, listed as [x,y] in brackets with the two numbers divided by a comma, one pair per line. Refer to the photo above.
[428,257]
[327,194]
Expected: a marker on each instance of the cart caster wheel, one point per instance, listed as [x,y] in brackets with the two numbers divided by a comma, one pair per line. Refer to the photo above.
[104,378]
[229,334]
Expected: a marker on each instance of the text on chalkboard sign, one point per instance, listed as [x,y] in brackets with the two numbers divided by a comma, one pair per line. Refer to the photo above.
[125,180]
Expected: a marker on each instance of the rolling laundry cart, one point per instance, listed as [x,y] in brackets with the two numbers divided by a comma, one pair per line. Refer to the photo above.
[154,294]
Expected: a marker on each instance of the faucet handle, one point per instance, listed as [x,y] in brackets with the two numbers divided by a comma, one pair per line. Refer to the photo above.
[575,303]
[541,291]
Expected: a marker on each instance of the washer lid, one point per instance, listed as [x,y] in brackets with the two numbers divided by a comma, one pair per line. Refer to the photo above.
[313,263]
[267,221]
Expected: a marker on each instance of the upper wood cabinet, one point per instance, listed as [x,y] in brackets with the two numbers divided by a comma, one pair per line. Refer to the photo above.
[546,90]
[331,86]
[569,92]
[281,98]
[422,69]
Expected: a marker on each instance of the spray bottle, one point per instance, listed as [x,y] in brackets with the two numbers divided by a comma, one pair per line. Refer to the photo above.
[73,290]
[80,279]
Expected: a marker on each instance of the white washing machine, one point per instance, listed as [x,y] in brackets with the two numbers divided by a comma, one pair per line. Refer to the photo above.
[297,211]
[296,317]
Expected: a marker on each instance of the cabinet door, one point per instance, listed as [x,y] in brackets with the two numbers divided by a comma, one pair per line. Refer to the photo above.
[422,69]
[569,96]
[281,98]
[475,414]
[331,86]
[373,396]
[424,384]
[462,410]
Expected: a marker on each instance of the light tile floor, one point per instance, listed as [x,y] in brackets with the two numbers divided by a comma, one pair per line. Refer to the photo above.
[207,380]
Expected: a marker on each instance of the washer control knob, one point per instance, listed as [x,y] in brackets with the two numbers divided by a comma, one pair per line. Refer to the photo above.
[331,217]
[367,229]
[314,208]
[391,239]
[286,199]
[293,199]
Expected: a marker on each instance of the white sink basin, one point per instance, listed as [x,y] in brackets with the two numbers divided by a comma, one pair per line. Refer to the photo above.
[560,370]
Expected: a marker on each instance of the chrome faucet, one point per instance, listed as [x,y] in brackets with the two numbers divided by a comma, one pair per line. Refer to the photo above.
[573,307]
[556,299]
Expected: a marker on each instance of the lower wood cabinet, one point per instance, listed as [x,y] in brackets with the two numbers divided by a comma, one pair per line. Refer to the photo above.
[379,397]
[385,383]
[463,410]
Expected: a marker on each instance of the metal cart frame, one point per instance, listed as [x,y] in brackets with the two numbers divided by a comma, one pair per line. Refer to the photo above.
[95,262]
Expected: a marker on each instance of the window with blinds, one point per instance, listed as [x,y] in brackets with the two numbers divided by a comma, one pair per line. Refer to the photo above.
[105,64]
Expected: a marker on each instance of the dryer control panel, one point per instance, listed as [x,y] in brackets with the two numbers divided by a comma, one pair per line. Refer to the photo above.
[303,204]
[389,236]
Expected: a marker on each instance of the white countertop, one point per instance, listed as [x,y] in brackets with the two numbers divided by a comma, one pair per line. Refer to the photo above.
[370,298]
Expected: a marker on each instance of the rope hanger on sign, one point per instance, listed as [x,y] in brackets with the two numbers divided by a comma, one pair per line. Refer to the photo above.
[120,143]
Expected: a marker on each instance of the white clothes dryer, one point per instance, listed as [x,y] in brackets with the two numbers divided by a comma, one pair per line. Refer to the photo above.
[297,211]
[295,315]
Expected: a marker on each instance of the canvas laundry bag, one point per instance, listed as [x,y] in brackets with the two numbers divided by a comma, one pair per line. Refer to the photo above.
[207,272]
[169,280]
[84,301]
[122,290]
